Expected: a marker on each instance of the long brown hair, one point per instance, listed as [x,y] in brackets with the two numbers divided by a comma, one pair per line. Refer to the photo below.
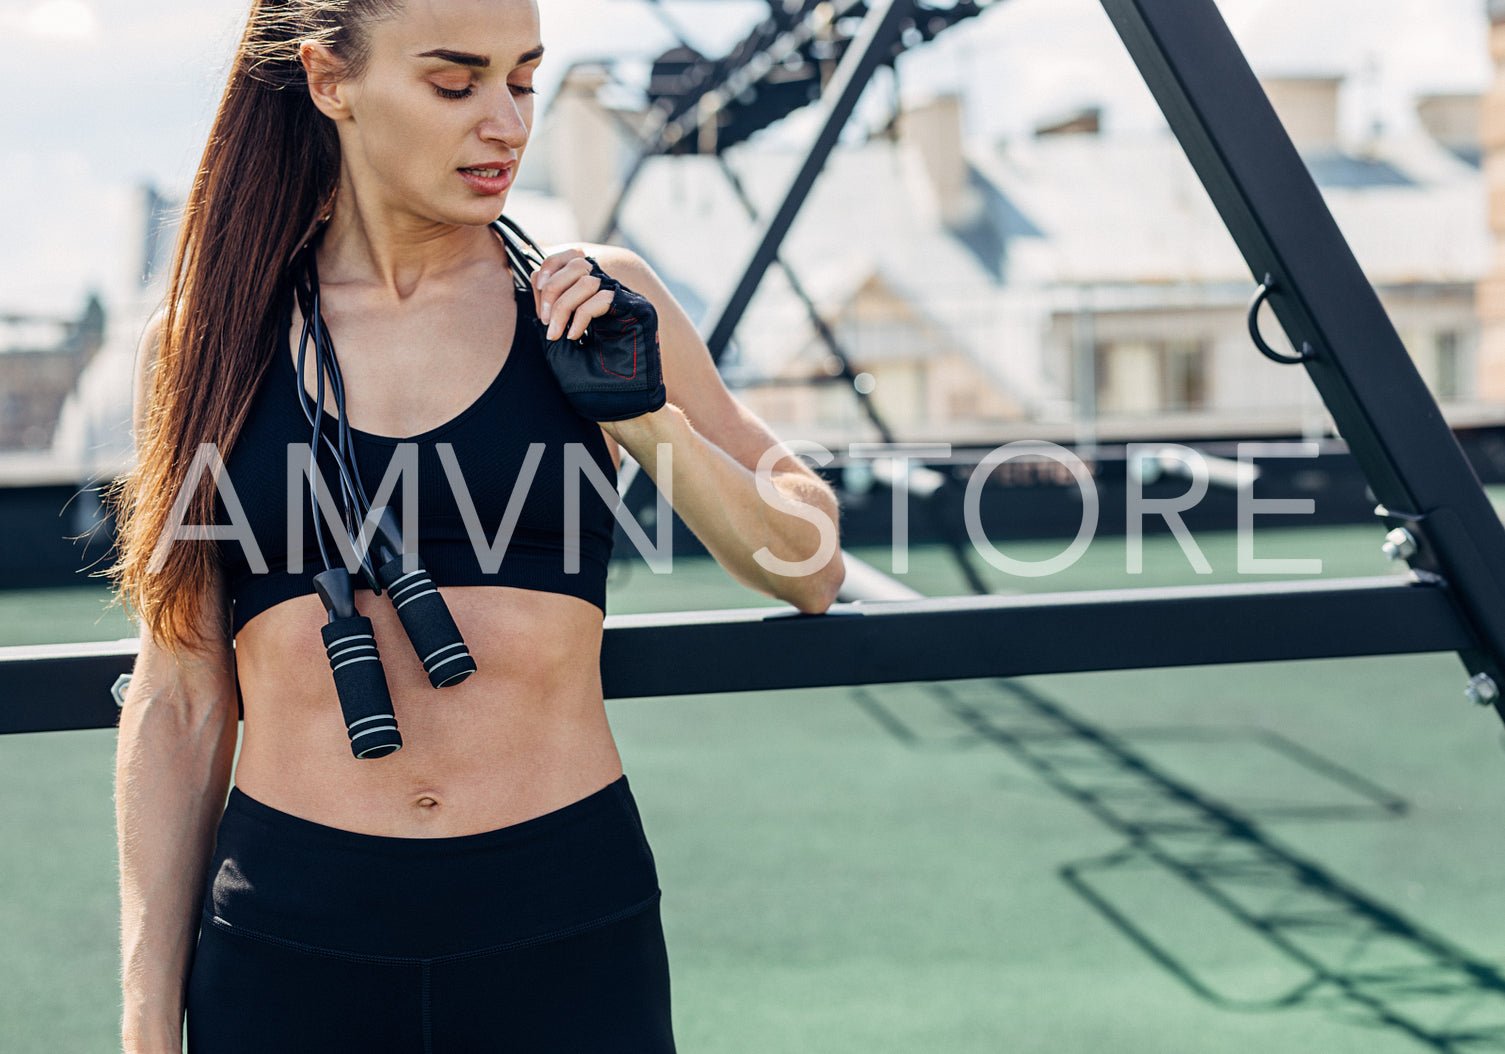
[268,173]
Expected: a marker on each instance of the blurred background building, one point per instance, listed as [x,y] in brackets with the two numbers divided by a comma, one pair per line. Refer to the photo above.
[1033,282]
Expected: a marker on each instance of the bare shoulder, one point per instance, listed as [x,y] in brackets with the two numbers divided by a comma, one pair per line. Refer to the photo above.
[151,341]
[619,255]
[146,359]
[616,260]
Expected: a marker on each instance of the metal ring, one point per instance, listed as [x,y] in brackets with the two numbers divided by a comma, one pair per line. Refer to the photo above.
[1260,296]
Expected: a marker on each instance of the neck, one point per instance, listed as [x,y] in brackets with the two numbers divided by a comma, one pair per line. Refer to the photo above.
[394,252]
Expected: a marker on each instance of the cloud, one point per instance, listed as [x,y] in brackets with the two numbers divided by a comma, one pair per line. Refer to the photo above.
[1441,43]
[62,20]
[78,233]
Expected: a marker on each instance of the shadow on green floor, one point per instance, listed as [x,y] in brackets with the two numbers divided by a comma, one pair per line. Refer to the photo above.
[1199,881]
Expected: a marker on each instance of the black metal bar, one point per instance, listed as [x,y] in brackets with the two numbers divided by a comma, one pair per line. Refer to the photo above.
[57,687]
[864,399]
[60,687]
[963,637]
[789,31]
[1282,225]
[671,121]
[873,43]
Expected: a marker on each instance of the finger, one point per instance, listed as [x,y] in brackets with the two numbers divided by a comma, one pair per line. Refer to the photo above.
[548,270]
[569,311]
[556,261]
[552,265]
[595,307]
[549,285]
[569,301]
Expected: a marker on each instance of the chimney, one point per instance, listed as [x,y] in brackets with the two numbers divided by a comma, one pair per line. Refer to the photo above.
[1308,107]
[934,129]
[1490,296]
[587,148]
[1452,120]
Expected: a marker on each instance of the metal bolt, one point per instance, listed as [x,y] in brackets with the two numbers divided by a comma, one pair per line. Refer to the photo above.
[118,688]
[1399,544]
[1481,689]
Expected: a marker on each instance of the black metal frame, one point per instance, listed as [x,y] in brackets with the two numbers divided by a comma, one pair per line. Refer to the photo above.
[1294,249]
[1452,538]
[1282,225]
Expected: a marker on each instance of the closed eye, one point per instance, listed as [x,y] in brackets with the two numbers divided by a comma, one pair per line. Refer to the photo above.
[465,93]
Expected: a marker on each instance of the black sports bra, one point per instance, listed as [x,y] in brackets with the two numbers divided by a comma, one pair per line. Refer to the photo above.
[516,449]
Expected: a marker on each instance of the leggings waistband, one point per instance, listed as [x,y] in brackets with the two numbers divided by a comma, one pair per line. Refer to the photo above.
[280,876]
[246,809]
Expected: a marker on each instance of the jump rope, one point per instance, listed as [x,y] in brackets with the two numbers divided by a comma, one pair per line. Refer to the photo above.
[349,640]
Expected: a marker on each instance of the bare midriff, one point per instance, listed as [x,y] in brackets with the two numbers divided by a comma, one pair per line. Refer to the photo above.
[524,735]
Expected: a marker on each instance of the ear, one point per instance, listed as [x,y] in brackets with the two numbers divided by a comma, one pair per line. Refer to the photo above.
[326,79]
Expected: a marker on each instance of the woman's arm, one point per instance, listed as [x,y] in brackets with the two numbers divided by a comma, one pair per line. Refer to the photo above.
[172,769]
[777,535]
[780,539]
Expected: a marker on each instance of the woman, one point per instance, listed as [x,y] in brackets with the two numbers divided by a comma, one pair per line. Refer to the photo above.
[487,886]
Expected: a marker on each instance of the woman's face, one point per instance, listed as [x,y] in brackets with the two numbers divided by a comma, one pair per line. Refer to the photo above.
[437,122]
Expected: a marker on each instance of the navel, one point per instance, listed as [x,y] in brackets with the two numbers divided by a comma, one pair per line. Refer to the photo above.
[427,802]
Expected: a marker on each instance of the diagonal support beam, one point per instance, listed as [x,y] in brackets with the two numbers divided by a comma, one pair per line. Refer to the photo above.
[1283,227]
[876,39]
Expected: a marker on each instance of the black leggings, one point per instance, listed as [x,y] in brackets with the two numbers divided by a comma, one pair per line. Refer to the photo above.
[540,937]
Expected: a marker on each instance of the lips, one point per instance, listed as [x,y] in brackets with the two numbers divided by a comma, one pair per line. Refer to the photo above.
[488,180]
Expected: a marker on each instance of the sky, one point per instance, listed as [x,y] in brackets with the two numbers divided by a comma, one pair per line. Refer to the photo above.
[103,95]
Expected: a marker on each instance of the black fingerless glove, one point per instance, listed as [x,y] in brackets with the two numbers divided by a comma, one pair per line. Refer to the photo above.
[613,371]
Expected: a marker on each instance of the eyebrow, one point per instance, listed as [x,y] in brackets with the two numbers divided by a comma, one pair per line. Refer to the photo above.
[465,58]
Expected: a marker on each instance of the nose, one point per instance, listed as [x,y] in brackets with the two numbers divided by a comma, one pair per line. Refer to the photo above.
[505,122]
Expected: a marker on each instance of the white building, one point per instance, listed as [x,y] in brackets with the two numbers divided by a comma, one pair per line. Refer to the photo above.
[1011,286]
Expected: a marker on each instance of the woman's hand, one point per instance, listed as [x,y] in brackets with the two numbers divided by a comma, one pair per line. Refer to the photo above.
[600,339]
[567,295]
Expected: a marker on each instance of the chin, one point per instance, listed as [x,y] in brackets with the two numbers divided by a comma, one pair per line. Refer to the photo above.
[478,212]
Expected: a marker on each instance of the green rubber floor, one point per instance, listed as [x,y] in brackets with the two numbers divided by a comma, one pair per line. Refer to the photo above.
[1292,857]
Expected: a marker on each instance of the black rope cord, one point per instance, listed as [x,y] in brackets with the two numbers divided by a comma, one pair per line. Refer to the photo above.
[355,503]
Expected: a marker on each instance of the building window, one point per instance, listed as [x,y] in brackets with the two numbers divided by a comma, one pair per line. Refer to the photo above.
[1447,365]
[965,402]
[1141,377]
